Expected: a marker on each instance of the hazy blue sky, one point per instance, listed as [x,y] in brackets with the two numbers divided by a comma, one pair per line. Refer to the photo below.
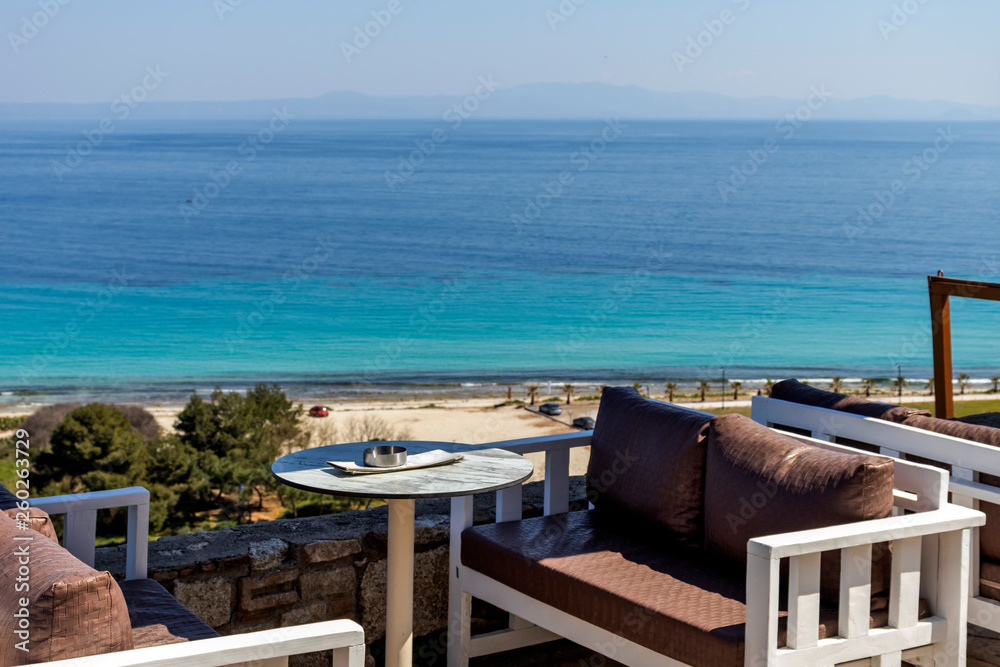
[93,51]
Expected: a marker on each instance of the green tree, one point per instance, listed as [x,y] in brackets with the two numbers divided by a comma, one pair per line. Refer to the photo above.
[996,382]
[568,388]
[736,384]
[96,448]
[703,386]
[963,382]
[836,384]
[671,388]
[768,386]
[929,386]
[238,436]
[533,393]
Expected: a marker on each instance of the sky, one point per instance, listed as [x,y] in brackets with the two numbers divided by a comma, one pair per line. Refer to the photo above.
[90,51]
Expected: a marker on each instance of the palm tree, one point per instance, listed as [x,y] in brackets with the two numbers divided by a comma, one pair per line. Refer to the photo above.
[569,393]
[671,388]
[836,384]
[996,381]
[963,382]
[532,393]
[899,383]
[929,386]
[638,387]
[869,385]
[703,385]
[768,385]
[736,384]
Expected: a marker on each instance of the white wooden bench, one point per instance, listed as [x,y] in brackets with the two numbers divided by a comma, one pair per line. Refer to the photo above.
[967,460]
[268,648]
[930,562]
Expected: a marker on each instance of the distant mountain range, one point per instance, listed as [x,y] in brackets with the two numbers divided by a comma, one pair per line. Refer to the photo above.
[531,101]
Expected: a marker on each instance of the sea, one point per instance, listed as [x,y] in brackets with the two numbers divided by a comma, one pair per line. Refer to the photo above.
[146,259]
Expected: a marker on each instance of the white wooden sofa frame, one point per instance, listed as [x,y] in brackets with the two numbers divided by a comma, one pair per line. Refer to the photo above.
[930,561]
[268,648]
[967,459]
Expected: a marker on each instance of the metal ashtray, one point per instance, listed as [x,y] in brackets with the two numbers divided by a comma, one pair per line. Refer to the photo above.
[385,456]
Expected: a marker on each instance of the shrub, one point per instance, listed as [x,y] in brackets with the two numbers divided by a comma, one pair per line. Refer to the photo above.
[44,421]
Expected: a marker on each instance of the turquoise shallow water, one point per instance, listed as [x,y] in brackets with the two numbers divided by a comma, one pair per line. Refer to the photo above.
[309,269]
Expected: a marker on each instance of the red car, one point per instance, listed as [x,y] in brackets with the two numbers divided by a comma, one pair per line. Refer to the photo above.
[319,411]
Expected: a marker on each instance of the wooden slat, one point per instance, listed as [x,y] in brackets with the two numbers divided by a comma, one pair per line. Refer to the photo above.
[941,342]
[855,590]
[904,588]
[803,601]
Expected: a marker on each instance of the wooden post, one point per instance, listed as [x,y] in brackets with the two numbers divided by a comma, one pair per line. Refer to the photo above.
[944,407]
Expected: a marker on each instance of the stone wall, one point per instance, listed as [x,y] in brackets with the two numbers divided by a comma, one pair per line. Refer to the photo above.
[293,571]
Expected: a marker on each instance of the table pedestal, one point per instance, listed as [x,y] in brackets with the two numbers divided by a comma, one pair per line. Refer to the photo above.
[399,585]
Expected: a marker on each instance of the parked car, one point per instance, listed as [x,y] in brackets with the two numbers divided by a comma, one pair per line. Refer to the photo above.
[550,409]
[586,423]
[319,411]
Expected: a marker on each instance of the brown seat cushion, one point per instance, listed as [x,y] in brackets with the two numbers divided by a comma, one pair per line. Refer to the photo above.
[989,535]
[668,598]
[74,610]
[797,392]
[647,461]
[759,483]
[38,519]
[158,618]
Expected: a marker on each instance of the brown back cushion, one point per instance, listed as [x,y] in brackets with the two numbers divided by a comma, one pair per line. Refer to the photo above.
[36,519]
[797,392]
[758,482]
[74,610]
[989,535]
[647,461]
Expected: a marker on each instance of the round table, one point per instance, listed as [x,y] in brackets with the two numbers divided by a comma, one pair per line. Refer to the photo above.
[479,471]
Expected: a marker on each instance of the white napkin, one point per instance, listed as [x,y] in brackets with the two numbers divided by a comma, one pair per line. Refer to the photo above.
[435,457]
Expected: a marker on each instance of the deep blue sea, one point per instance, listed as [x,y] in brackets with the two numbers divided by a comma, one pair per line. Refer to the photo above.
[345,255]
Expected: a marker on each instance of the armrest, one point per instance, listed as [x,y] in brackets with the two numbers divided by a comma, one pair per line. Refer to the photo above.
[347,638]
[544,443]
[946,519]
[80,529]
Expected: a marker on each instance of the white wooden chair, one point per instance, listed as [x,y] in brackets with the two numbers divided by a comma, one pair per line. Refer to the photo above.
[268,648]
[930,561]
[967,460]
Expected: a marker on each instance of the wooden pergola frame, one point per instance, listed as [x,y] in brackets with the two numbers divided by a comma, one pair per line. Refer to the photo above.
[941,289]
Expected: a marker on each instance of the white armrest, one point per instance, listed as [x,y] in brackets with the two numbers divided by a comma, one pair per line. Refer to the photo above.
[946,519]
[344,636]
[545,443]
[80,529]
[93,500]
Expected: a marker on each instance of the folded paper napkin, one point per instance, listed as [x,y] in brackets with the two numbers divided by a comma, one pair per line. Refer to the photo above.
[435,457]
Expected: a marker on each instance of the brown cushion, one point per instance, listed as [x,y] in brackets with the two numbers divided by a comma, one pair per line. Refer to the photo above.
[74,610]
[797,392]
[667,598]
[647,461]
[758,482]
[37,519]
[989,535]
[158,618]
